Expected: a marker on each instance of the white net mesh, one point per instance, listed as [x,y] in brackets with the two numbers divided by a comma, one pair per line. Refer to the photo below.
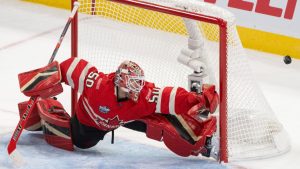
[110,33]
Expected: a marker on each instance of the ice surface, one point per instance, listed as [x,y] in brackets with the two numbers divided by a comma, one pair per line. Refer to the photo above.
[123,154]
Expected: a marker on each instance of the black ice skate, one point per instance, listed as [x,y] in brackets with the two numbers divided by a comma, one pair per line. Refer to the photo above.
[211,148]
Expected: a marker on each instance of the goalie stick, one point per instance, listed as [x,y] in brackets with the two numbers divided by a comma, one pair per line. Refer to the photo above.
[11,148]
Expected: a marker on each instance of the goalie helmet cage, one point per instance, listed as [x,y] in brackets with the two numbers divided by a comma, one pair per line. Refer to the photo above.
[154,32]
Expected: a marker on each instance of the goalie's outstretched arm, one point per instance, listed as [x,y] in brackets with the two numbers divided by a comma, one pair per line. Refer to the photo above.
[182,119]
[45,80]
[176,100]
[75,71]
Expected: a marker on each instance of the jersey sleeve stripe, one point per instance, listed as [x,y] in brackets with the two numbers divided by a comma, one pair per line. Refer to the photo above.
[82,77]
[172,101]
[165,100]
[70,72]
[158,104]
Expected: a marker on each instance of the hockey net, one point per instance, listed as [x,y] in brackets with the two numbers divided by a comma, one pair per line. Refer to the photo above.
[154,33]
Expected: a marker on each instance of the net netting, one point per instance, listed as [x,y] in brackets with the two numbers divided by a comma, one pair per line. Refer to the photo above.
[109,33]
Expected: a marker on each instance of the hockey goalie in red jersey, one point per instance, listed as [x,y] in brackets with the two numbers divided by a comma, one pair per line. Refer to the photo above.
[181,119]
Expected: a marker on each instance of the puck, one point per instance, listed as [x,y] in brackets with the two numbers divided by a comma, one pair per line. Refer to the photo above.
[287,59]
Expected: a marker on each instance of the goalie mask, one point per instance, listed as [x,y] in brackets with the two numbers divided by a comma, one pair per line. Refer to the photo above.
[130,79]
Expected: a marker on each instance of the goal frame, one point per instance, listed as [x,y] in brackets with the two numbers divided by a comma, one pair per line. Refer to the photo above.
[222,24]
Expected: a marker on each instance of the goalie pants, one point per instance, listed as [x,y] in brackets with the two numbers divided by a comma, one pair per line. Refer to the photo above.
[86,137]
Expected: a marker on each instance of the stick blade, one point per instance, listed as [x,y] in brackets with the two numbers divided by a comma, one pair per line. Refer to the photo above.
[16,158]
[11,148]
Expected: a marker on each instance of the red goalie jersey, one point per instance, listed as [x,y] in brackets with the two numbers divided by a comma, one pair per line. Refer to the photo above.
[98,105]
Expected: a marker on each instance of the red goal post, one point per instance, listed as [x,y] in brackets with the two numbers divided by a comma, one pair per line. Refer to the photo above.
[226,48]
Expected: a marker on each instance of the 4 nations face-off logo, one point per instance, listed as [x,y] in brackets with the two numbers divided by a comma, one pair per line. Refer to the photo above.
[104,109]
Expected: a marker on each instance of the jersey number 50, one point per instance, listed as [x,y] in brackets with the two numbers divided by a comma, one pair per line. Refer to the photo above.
[91,79]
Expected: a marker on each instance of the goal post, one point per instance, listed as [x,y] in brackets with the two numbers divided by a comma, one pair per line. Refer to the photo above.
[74,53]
[154,33]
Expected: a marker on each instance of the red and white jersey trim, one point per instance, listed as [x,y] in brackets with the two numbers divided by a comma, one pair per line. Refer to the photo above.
[91,112]
[82,77]
[166,100]
[70,72]
[101,122]
[80,80]
[172,101]
[158,104]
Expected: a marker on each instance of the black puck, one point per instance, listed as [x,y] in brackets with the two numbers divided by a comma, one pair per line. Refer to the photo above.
[287,59]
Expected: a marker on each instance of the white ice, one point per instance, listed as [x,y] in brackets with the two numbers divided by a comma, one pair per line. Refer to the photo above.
[28,34]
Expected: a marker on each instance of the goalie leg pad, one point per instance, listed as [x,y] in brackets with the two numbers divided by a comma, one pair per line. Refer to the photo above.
[34,120]
[55,123]
[163,128]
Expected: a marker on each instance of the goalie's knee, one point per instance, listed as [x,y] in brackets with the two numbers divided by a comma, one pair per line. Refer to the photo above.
[55,123]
